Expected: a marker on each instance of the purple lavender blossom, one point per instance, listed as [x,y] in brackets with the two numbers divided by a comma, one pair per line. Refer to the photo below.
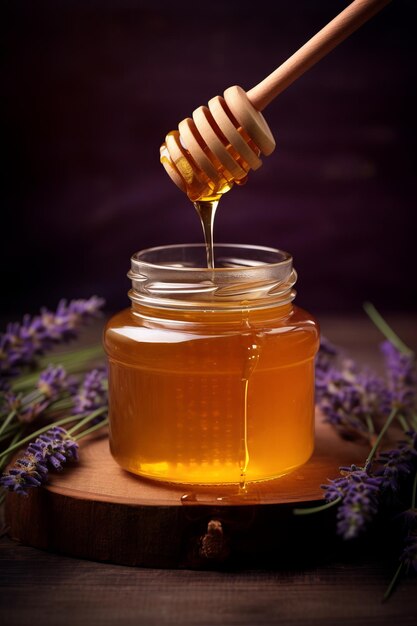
[52,382]
[92,394]
[27,472]
[350,398]
[359,493]
[326,356]
[398,463]
[50,450]
[402,378]
[55,447]
[21,344]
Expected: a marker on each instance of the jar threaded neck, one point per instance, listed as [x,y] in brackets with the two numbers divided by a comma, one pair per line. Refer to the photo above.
[245,276]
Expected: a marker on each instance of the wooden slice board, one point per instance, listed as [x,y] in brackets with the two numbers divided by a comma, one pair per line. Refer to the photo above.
[95,510]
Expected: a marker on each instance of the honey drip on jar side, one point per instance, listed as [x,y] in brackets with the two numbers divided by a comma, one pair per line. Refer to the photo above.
[252,351]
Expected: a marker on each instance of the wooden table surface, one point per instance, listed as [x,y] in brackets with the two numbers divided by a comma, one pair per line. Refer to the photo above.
[341,584]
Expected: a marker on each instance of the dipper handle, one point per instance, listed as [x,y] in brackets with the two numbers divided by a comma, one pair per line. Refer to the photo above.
[336,31]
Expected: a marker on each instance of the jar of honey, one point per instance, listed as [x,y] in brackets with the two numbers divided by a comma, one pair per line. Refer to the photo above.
[211,371]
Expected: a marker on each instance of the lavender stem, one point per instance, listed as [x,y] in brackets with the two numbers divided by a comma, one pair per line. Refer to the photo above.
[379,438]
[6,459]
[92,429]
[404,424]
[317,509]
[87,419]
[9,431]
[72,361]
[64,420]
[392,583]
[385,329]
[59,405]
[370,425]
[32,397]
[7,421]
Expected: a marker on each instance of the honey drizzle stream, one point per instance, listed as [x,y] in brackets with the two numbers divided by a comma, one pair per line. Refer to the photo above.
[206,210]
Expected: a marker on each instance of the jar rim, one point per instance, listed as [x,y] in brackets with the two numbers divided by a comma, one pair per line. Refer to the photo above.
[138,259]
[245,275]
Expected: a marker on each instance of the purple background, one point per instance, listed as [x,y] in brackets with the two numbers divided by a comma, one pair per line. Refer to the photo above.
[93,87]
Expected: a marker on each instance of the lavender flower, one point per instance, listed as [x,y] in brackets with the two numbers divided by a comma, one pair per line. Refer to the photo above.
[402,378]
[52,382]
[326,356]
[22,343]
[326,366]
[398,463]
[359,494]
[27,472]
[50,450]
[55,447]
[350,398]
[92,394]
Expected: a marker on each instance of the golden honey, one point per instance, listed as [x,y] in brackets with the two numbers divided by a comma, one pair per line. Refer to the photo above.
[211,371]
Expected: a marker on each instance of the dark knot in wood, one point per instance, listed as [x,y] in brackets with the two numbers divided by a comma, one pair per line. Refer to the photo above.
[214,546]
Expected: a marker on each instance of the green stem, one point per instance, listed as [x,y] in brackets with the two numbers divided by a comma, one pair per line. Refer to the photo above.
[73,362]
[370,425]
[74,357]
[7,421]
[392,583]
[404,424]
[317,509]
[61,422]
[60,405]
[33,396]
[92,429]
[87,419]
[385,328]
[4,461]
[9,431]
[25,382]
[379,438]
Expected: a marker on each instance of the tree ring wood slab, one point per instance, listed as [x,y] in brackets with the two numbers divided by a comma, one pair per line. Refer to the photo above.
[95,510]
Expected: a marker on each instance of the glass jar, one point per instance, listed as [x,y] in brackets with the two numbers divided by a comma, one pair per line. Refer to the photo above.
[211,372]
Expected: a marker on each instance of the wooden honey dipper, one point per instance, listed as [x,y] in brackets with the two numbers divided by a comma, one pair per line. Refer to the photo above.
[222,142]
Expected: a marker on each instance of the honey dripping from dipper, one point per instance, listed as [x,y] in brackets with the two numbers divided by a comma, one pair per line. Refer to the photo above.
[212,151]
